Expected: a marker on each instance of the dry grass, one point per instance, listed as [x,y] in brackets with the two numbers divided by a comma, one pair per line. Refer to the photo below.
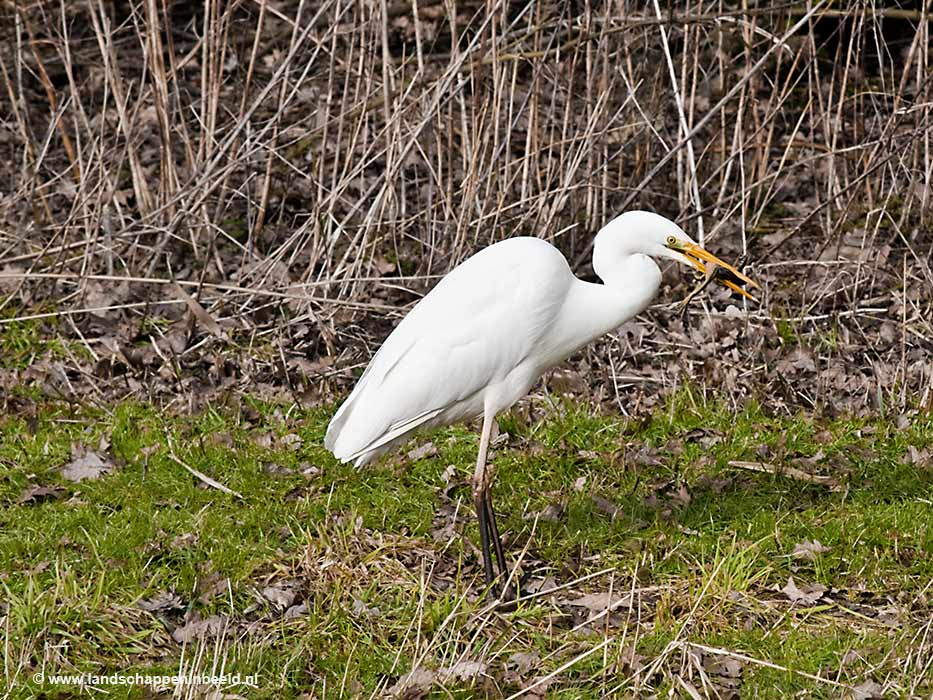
[250,168]
[303,149]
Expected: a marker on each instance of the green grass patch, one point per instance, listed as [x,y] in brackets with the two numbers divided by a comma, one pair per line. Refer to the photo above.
[319,579]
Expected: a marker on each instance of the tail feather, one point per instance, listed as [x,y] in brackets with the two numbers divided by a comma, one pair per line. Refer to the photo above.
[373,377]
[355,436]
[395,431]
[336,423]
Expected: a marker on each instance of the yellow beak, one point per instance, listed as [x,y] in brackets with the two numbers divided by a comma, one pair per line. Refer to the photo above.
[726,274]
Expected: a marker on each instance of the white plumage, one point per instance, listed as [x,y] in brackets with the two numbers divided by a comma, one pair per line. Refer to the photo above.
[484,335]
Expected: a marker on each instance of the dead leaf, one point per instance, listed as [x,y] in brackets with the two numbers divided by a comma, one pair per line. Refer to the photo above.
[309,471]
[184,540]
[540,585]
[38,494]
[604,505]
[867,690]
[536,687]
[361,608]
[426,450]
[808,550]
[725,666]
[204,319]
[551,513]
[414,684]
[86,464]
[567,381]
[523,661]
[463,671]
[296,494]
[789,472]
[149,450]
[281,597]
[598,602]
[807,595]
[449,475]
[385,267]
[163,600]
[199,629]
[40,567]
[264,440]
[296,611]
[292,441]
[273,469]
[918,457]
[681,496]
[223,439]
[211,586]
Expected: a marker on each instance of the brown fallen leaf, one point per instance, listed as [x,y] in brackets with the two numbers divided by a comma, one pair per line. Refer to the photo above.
[449,475]
[184,540]
[414,684]
[163,600]
[86,464]
[552,513]
[599,602]
[424,451]
[604,505]
[40,567]
[384,266]
[463,670]
[199,629]
[265,440]
[281,596]
[361,608]
[274,469]
[540,585]
[681,496]
[523,661]
[211,586]
[38,494]
[807,595]
[292,441]
[725,666]
[867,690]
[148,451]
[808,550]
[918,457]
[567,381]
[204,319]
[296,611]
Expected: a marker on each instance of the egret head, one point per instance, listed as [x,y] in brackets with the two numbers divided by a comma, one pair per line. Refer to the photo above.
[651,234]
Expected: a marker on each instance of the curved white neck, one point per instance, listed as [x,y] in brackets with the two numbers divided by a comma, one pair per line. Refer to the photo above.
[592,310]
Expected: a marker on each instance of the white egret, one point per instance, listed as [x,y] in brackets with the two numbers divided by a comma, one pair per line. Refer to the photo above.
[483,336]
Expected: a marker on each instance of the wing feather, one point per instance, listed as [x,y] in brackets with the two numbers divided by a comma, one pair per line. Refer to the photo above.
[478,324]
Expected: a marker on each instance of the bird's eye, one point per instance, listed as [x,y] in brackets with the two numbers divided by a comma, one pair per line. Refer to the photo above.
[671,240]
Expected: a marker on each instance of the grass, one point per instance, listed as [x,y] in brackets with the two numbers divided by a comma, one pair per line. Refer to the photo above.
[378,586]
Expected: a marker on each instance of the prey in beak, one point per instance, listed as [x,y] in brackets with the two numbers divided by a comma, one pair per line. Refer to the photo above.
[712,269]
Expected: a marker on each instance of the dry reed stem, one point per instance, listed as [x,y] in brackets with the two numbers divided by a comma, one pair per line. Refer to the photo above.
[259,152]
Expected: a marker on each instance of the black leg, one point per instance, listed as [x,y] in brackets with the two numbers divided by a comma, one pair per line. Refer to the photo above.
[483,515]
[496,541]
